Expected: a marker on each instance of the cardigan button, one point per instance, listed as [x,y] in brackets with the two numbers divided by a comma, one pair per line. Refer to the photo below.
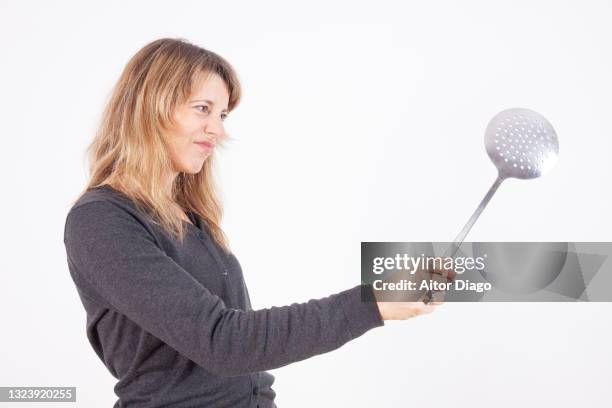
[255,391]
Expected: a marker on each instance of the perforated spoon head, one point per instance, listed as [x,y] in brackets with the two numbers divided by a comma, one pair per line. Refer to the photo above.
[521,143]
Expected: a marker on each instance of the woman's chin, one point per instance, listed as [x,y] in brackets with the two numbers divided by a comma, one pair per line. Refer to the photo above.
[194,168]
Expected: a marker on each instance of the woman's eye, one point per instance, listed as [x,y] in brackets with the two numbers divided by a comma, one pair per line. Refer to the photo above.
[204,109]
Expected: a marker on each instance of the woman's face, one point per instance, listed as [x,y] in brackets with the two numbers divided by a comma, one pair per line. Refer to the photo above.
[198,125]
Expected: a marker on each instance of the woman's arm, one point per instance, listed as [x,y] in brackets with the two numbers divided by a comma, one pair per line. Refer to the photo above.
[114,256]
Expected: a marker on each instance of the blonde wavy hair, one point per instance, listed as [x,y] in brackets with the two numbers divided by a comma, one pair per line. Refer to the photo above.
[129,151]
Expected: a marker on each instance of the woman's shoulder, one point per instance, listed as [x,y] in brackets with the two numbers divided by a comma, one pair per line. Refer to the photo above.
[102,204]
[102,194]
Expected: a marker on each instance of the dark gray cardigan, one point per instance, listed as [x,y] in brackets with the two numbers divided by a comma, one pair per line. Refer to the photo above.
[173,322]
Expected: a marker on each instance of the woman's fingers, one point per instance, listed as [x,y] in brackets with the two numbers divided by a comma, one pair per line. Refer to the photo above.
[405,310]
[427,308]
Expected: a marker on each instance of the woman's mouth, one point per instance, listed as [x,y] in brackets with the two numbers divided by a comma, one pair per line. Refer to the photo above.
[205,145]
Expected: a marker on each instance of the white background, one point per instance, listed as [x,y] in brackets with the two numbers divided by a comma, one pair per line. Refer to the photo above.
[359,122]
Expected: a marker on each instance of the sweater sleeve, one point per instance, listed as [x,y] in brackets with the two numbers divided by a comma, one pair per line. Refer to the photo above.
[114,254]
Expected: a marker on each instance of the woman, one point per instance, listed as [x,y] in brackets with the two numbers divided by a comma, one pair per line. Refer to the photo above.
[167,308]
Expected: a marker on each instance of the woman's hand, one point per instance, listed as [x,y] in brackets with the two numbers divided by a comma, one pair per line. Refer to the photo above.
[397,310]
[404,310]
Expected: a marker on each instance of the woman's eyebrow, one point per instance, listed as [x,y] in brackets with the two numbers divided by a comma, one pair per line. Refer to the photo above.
[207,101]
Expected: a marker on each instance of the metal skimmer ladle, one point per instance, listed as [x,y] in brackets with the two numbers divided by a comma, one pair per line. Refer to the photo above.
[522,144]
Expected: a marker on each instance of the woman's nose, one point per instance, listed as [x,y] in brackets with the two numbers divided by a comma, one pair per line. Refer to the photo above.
[214,129]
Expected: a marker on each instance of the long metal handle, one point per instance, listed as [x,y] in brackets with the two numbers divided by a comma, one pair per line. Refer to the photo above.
[468,226]
[452,249]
